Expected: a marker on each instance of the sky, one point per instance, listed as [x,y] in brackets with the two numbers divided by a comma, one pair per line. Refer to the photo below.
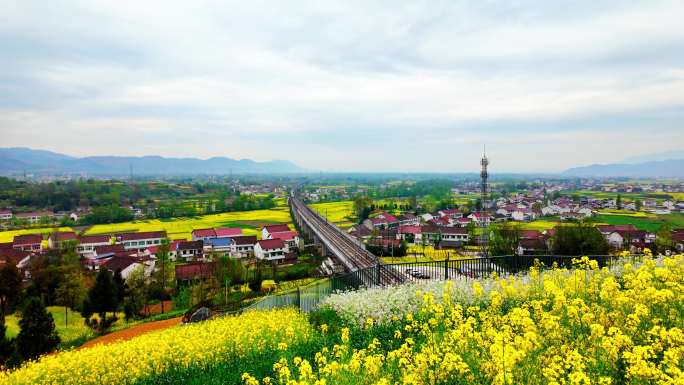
[346,86]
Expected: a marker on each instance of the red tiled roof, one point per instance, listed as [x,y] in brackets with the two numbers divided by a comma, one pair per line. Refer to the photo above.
[143,235]
[409,230]
[228,231]
[277,228]
[533,244]
[5,211]
[173,246]
[285,235]
[27,239]
[194,270]
[204,233]
[267,244]
[12,256]
[453,230]
[530,234]
[388,217]
[119,262]
[62,236]
[612,228]
[191,245]
[245,240]
[109,249]
[85,239]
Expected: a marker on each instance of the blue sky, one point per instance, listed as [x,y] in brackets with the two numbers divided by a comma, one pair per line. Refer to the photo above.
[346,86]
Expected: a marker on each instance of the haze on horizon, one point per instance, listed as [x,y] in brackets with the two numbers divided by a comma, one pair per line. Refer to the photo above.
[346,86]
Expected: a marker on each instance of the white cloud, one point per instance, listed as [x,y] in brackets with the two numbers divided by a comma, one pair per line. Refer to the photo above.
[342,83]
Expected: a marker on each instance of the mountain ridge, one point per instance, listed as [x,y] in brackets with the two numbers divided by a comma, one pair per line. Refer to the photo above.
[671,168]
[22,159]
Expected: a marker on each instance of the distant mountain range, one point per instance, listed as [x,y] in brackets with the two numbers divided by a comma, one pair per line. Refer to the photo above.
[669,155]
[663,165]
[18,160]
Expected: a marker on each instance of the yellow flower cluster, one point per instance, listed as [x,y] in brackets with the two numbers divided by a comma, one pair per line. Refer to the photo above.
[180,347]
[560,327]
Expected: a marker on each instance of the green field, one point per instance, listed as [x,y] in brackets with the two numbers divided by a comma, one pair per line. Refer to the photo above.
[72,333]
[660,196]
[647,223]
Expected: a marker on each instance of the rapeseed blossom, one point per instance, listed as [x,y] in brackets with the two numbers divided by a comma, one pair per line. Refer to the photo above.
[180,347]
[562,327]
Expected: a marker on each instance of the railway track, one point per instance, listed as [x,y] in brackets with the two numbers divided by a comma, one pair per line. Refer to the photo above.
[349,252]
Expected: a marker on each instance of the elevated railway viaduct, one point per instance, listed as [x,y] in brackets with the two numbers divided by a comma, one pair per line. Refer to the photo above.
[343,249]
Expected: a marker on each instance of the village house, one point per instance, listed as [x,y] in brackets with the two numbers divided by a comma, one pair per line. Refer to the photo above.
[28,242]
[453,237]
[408,220]
[360,232]
[272,250]
[381,220]
[88,243]
[34,217]
[219,246]
[17,257]
[532,242]
[410,234]
[267,231]
[57,239]
[194,271]
[5,214]
[290,238]
[451,213]
[203,234]
[678,239]
[126,264]
[141,241]
[243,246]
[190,250]
[480,218]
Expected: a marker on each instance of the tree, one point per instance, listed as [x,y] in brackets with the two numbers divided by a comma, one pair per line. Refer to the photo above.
[102,298]
[664,239]
[119,286]
[6,346]
[37,335]
[70,292]
[163,258]
[504,239]
[579,240]
[472,231]
[10,283]
[137,290]
[618,202]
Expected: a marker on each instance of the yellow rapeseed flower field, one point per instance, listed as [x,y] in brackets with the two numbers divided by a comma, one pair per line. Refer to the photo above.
[195,345]
[574,327]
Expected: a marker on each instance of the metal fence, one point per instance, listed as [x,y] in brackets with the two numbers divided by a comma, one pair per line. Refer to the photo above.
[306,298]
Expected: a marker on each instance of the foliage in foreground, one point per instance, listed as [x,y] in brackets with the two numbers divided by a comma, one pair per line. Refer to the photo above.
[153,354]
[586,326]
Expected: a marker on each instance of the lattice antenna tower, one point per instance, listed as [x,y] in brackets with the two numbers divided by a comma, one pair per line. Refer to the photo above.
[484,203]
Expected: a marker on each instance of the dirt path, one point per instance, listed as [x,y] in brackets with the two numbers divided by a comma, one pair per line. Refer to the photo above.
[127,334]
